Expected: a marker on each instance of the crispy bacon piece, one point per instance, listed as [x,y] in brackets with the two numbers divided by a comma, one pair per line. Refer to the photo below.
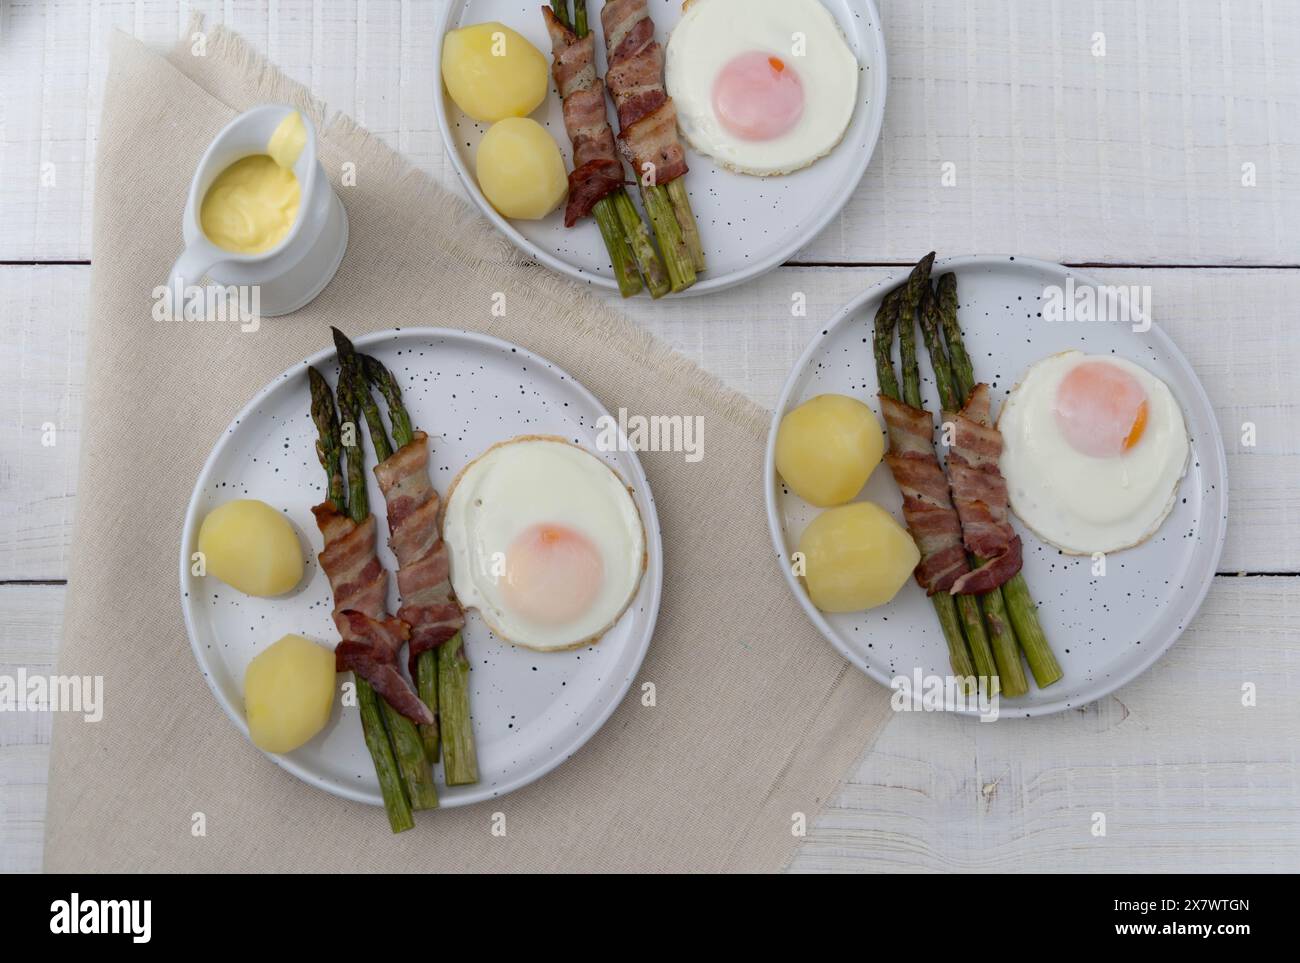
[370,648]
[371,639]
[424,568]
[927,507]
[636,79]
[597,171]
[356,576]
[980,494]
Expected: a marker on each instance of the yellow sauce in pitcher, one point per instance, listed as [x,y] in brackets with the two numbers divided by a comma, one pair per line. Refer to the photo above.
[253,203]
[288,140]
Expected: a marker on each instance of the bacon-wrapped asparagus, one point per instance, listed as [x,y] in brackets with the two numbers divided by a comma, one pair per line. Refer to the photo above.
[372,640]
[927,507]
[348,537]
[597,171]
[1019,603]
[437,654]
[980,495]
[596,183]
[1002,637]
[648,136]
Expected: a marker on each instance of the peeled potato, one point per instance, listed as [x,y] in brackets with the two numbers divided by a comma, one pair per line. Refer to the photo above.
[252,547]
[288,693]
[520,169]
[856,557]
[491,72]
[827,448]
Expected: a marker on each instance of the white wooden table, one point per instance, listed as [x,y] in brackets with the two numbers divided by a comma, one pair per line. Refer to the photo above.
[1156,142]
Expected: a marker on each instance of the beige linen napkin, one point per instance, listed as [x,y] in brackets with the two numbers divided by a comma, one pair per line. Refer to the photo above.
[757,717]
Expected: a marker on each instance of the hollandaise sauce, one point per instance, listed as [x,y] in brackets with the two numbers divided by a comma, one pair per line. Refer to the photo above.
[253,203]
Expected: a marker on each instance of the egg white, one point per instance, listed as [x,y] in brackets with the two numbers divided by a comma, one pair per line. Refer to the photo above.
[713,32]
[1076,502]
[527,481]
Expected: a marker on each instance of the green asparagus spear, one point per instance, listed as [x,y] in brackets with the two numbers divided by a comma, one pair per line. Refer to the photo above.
[621,258]
[459,760]
[354,378]
[426,686]
[391,783]
[883,343]
[381,378]
[329,446]
[681,201]
[407,745]
[672,245]
[329,449]
[914,287]
[643,249]
[1020,605]
[907,361]
[944,606]
[962,369]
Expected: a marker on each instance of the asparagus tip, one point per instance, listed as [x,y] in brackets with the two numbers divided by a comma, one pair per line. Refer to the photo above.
[341,342]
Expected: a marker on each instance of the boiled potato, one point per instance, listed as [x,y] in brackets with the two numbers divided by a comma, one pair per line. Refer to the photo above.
[520,169]
[491,72]
[856,557]
[252,547]
[288,693]
[827,448]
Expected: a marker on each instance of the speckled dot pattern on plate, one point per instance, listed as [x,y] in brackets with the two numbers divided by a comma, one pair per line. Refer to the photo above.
[1105,630]
[748,225]
[531,710]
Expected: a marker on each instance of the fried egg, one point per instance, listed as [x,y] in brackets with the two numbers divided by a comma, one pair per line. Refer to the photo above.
[1093,451]
[545,541]
[762,86]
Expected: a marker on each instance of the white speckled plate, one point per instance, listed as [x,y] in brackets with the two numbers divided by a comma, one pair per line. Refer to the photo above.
[531,711]
[1104,630]
[749,225]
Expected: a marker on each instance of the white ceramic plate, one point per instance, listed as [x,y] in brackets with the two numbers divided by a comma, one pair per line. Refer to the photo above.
[531,711]
[748,225]
[1104,631]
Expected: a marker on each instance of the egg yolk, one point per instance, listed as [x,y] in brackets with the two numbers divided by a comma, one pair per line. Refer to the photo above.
[553,574]
[758,96]
[1101,409]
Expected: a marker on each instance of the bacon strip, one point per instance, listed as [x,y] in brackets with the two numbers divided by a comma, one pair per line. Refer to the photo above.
[645,111]
[597,171]
[370,648]
[927,507]
[980,495]
[424,567]
[371,639]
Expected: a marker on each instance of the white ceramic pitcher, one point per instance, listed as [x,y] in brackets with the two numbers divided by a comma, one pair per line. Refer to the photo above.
[297,269]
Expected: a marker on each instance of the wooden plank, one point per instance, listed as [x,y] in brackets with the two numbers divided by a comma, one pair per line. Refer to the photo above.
[43,344]
[1189,779]
[28,638]
[1187,783]
[1232,324]
[1137,155]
